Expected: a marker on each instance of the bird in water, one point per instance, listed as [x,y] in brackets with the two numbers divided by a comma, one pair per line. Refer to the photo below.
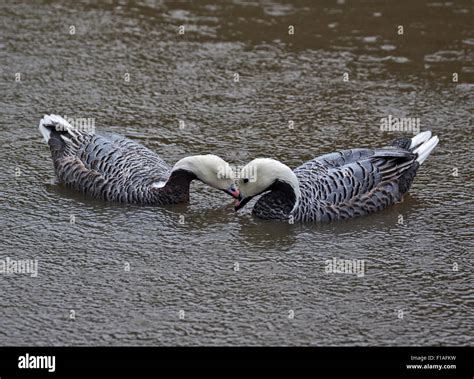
[340,185]
[114,168]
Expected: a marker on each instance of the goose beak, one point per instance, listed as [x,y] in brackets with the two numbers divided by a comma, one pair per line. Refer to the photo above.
[233,191]
[241,201]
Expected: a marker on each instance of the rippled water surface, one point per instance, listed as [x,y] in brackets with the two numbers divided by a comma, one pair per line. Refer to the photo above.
[418,283]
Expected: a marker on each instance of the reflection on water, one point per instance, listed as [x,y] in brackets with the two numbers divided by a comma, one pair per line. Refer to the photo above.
[128,271]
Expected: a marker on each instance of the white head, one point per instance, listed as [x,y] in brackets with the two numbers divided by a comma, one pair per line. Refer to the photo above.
[210,169]
[261,175]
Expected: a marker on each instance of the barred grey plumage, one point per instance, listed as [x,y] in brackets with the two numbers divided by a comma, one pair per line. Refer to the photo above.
[339,185]
[115,168]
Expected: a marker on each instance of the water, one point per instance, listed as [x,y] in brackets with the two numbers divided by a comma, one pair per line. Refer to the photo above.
[239,280]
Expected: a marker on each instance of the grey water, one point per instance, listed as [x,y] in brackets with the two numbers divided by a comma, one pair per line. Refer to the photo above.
[199,273]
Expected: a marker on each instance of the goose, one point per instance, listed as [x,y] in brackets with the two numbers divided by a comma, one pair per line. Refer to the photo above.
[114,168]
[340,185]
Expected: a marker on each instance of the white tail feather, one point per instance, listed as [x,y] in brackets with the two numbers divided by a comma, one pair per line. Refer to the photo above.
[425,149]
[51,121]
[420,138]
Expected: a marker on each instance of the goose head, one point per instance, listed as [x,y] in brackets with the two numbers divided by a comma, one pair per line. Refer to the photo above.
[212,170]
[262,175]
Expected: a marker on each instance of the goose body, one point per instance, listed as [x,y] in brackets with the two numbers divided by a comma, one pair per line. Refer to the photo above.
[340,185]
[114,168]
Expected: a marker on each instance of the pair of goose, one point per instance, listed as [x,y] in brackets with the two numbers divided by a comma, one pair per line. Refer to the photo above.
[340,185]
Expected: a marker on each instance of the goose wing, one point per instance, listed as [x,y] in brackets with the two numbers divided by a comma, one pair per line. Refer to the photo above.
[112,168]
[355,182]
[337,159]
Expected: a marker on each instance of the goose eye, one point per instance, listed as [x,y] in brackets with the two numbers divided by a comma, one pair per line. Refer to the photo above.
[246,180]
